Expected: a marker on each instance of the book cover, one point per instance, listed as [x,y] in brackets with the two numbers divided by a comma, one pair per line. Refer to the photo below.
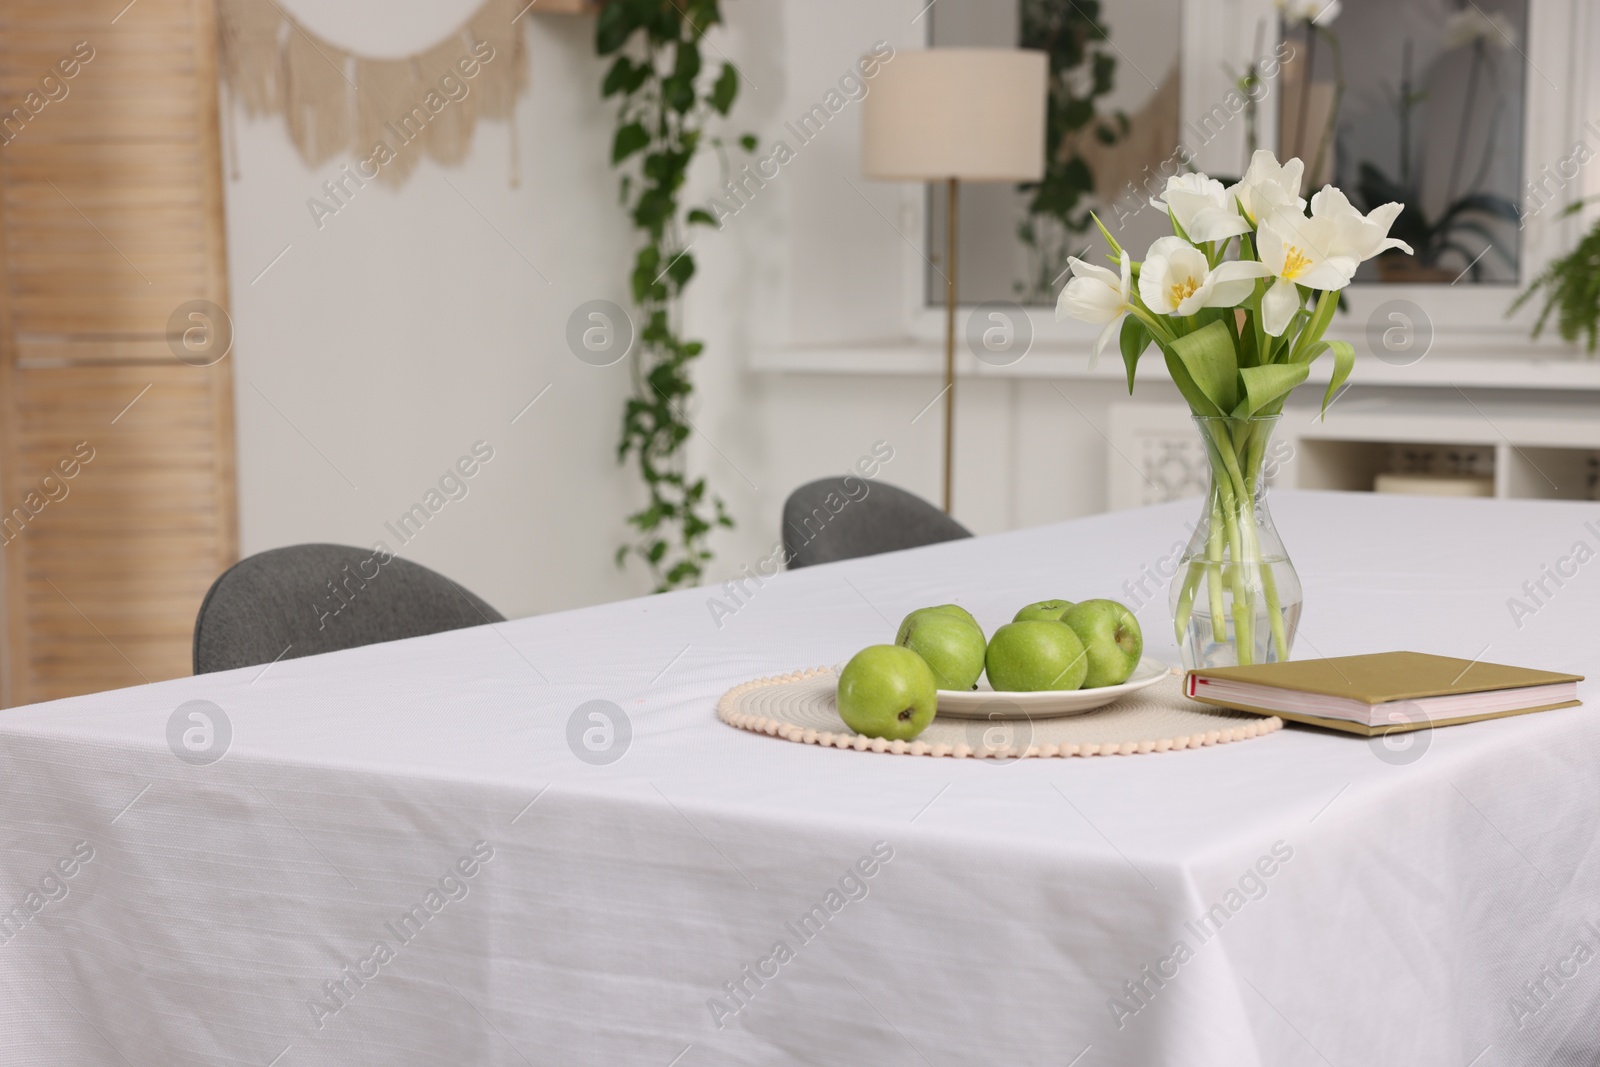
[1377,679]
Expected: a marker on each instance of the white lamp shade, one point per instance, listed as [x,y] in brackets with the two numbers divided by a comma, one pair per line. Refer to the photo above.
[976,114]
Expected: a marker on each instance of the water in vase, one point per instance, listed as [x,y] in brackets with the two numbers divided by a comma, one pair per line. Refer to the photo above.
[1230,618]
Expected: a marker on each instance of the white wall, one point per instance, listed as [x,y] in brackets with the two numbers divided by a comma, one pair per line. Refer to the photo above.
[413,323]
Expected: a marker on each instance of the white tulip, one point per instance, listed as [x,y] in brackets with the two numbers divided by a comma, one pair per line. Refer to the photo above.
[1202,207]
[1269,186]
[1299,251]
[1356,235]
[1176,279]
[1320,12]
[1097,295]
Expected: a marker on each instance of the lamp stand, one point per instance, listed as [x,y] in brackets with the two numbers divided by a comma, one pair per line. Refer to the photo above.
[949,338]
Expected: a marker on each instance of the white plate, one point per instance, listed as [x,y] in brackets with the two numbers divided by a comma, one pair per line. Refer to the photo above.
[984,703]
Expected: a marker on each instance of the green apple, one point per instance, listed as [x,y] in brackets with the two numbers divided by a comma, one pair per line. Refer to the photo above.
[1111,638]
[952,646]
[1044,611]
[942,609]
[958,610]
[1029,656]
[887,691]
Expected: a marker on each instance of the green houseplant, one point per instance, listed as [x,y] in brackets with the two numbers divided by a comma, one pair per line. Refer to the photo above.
[1571,288]
[1082,66]
[1238,335]
[666,96]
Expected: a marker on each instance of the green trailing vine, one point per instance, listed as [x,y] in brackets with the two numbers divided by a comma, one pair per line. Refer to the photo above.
[1082,68]
[667,96]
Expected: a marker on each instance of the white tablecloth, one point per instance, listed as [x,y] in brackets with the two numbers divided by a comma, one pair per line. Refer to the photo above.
[401,860]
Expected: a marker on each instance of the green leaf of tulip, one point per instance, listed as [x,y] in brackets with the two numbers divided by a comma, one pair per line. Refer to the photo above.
[1344,360]
[1269,385]
[1134,340]
[1197,400]
[1213,365]
[1111,242]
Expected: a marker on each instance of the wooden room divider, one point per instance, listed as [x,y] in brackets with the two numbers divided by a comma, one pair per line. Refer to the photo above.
[117,497]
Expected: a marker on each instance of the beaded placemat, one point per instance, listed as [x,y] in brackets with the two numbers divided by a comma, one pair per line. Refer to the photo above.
[800,707]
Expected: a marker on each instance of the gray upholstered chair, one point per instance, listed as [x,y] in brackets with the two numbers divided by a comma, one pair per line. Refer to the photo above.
[843,518]
[298,601]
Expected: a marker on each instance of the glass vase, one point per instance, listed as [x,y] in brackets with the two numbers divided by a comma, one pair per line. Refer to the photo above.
[1235,597]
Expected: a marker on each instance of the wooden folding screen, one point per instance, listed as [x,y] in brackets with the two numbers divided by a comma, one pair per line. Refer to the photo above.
[117,500]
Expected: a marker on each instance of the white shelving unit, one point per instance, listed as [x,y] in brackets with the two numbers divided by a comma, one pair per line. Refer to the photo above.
[1540,450]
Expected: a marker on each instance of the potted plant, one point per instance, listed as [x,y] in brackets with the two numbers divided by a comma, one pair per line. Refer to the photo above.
[1571,287]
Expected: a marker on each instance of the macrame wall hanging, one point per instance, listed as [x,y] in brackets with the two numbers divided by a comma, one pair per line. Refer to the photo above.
[387,111]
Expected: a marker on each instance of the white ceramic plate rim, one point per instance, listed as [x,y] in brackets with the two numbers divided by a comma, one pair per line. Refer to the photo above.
[985,703]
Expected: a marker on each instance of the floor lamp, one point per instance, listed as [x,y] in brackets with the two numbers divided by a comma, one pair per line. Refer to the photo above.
[956,115]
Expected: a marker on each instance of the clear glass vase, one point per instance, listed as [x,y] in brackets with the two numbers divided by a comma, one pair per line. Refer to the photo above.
[1235,598]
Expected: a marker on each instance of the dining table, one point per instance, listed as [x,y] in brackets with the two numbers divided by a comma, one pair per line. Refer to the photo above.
[535,842]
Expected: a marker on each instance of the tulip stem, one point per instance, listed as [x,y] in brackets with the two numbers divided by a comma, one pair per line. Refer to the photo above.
[1229,480]
[1153,323]
[1191,584]
[1269,584]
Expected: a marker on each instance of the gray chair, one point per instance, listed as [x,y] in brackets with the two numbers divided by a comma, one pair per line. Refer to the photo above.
[845,518]
[298,601]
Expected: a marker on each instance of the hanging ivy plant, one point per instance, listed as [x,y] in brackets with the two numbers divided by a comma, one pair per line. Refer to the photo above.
[1082,67]
[667,96]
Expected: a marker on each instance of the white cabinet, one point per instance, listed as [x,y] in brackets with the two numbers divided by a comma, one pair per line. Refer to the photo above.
[1547,450]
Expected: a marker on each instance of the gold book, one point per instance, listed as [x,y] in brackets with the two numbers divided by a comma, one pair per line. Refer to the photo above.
[1384,692]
